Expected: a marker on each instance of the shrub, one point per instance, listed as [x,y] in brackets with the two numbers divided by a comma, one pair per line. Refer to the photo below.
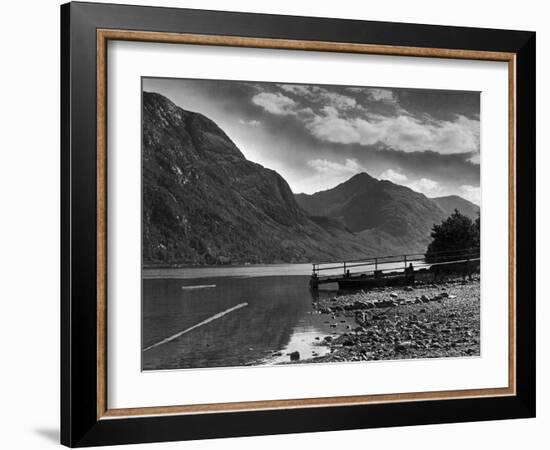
[454,238]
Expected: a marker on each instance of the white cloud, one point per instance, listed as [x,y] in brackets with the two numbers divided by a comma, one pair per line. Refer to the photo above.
[471,193]
[325,166]
[332,128]
[278,103]
[317,94]
[393,176]
[329,174]
[338,101]
[426,186]
[337,121]
[429,188]
[402,132]
[297,89]
[381,95]
[252,123]
[475,158]
[432,188]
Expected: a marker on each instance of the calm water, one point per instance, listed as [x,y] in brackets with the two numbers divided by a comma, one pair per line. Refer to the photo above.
[269,307]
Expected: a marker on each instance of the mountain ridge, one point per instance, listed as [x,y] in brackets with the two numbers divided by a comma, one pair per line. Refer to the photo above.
[449,203]
[380,210]
[205,203]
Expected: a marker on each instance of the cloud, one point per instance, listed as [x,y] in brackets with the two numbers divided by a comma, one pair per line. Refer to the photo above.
[329,173]
[350,166]
[475,158]
[402,132]
[431,188]
[382,95]
[332,128]
[375,94]
[336,118]
[338,101]
[393,176]
[471,193]
[426,186]
[320,96]
[251,123]
[298,89]
[276,103]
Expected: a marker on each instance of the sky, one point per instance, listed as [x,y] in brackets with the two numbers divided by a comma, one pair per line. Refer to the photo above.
[318,136]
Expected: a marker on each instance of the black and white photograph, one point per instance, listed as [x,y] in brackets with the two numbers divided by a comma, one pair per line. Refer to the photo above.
[301,223]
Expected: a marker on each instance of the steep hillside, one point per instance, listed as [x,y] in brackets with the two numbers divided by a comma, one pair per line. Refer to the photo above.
[381,212]
[452,202]
[205,203]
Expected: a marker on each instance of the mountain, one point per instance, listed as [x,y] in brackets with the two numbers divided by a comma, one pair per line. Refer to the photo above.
[452,202]
[380,211]
[205,203]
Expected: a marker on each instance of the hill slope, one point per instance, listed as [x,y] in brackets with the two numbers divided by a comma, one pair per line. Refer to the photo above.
[205,203]
[380,211]
[452,202]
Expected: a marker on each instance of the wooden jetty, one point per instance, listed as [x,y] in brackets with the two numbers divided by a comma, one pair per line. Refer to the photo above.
[395,270]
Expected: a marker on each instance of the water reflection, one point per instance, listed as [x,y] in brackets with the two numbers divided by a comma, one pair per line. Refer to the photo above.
[278,318]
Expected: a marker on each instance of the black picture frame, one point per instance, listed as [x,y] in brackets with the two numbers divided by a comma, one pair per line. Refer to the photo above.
[80,425]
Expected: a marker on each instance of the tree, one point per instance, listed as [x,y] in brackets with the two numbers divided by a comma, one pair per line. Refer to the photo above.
[453,238]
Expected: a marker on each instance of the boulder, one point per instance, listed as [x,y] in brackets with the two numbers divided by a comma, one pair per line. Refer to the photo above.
[295,356]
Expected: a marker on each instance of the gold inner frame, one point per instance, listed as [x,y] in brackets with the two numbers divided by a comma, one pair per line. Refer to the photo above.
[104,35]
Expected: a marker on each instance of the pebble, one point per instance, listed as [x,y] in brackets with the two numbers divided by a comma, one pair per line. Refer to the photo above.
[436,330]
[403,346]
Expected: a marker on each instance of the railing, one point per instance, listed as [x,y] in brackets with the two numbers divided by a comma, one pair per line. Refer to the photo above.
[380,264]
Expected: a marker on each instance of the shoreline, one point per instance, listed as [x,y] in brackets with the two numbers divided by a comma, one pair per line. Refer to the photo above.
[427,320]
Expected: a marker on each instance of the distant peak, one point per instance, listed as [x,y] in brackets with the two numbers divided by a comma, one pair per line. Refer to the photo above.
[362,175]
[359,179]
[452,196]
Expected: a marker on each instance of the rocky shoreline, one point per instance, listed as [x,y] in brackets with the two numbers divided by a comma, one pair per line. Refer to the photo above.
[426,320]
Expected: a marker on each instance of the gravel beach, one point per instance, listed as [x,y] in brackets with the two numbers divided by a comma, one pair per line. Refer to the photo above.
[422,321]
